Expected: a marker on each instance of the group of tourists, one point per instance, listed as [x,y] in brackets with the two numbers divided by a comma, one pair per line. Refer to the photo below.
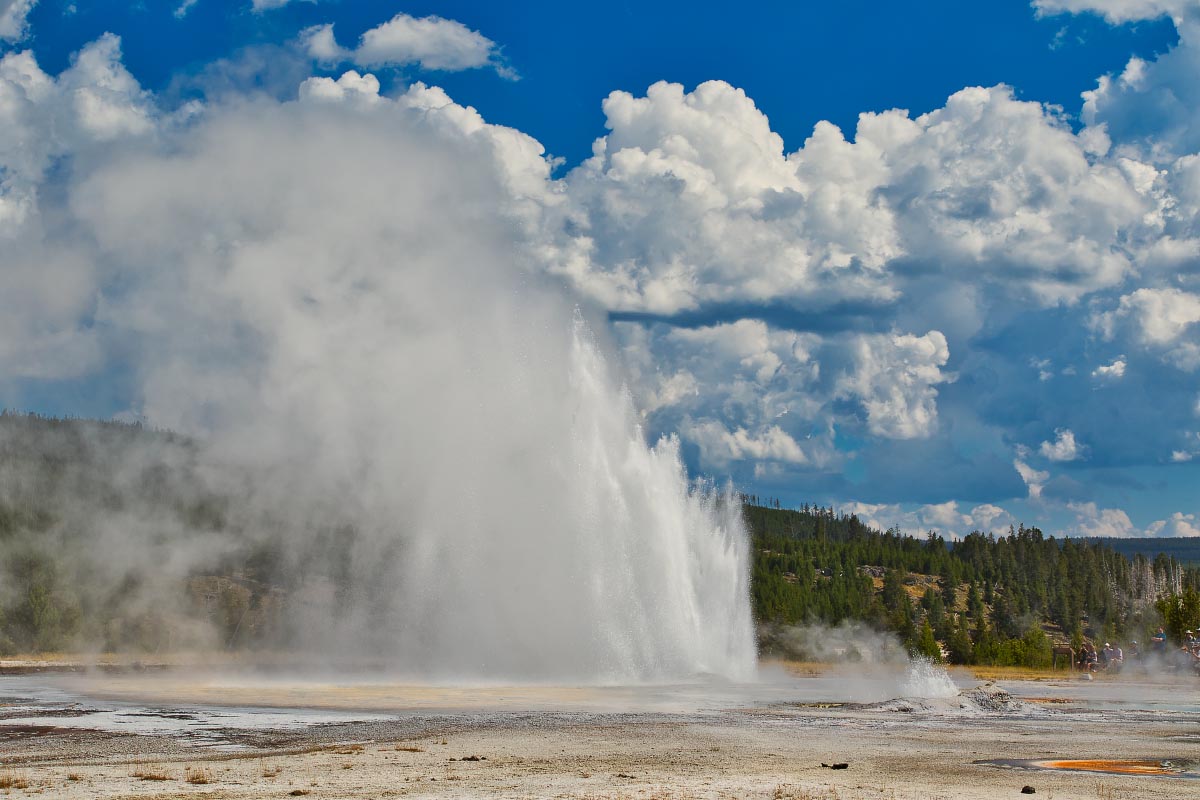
[1191,644]
[1186,656]
[1106,659]
[1111,658]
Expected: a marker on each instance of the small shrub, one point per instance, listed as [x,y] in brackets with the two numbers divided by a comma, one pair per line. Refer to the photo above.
[198,775]
[151,774]
[13,780]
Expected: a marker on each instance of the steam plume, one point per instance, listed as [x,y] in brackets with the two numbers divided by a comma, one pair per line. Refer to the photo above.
[332,299]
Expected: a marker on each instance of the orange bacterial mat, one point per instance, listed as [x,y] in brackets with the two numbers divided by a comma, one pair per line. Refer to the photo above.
[1156,767]
[1112,766]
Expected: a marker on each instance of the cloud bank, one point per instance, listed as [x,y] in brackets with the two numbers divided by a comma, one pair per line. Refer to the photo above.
[948,316]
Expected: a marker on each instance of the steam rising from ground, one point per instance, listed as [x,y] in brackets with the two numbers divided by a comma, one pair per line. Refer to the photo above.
[872,665]
[850,642]
[332,298]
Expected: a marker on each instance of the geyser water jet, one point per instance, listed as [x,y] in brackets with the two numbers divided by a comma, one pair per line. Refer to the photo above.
[423,425]
[605,566]
[928,680]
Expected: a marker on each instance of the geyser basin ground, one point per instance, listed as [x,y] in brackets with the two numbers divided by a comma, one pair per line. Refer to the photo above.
[255,737]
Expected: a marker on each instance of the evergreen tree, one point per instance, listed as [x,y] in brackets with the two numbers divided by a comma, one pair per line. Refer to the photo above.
[959,644]
[1038,652]
[926,645]
[1180,613]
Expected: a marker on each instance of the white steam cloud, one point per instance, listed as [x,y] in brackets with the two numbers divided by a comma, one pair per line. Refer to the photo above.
[336,316]
[335,298]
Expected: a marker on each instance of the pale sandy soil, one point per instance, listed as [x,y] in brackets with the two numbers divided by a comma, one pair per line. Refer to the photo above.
[762,750]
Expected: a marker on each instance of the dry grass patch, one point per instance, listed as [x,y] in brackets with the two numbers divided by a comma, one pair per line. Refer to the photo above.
[148,773]
[799,793]
[408,748]
[13,780]
[654,794]
[804,669]
[198,775]
[985,673]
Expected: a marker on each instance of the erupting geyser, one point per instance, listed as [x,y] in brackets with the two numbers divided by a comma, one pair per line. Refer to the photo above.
[422,420]
[601,565]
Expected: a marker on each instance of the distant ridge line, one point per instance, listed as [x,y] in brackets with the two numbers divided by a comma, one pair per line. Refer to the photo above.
[1184,549]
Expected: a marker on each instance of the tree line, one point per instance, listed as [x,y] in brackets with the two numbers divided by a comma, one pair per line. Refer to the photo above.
[70,490]
[1002,600]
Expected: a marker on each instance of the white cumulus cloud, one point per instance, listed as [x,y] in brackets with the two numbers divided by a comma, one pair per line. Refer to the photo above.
[1113,371]
[1149,109]
[1160,316]
[944,518]
[432,42]
[943,515]
[1063,448]
[1034,479]
[13,19]
[691,200]
[987,517]
[1091,520]
[1119,10]
[49,281]
[1178,524]
[894,377]
[721,446]
[732,388]
[777,303]
[349,85]
[736,387]
[1161,320]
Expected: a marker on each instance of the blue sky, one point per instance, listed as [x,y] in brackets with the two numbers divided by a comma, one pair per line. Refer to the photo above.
[978,307]
[801,62]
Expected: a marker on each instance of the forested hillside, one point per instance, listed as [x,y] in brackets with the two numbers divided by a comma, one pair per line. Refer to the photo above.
[117,537]
[995,600]
[114,537]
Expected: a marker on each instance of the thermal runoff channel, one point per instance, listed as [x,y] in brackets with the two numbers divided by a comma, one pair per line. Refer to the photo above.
[331,298]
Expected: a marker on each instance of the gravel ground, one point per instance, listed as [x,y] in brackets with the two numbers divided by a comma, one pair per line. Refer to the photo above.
[913,749]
